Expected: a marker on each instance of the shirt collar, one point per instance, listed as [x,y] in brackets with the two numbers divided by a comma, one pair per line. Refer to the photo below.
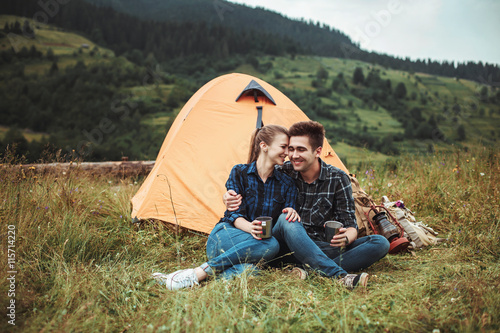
[253,169]
[322,172]
[295,174]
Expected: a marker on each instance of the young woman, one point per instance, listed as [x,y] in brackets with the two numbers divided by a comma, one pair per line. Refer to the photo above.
[235,244]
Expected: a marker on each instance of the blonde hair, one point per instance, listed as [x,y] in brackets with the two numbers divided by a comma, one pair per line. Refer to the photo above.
[264,134]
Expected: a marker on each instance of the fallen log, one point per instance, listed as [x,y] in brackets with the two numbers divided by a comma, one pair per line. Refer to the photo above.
[122,168]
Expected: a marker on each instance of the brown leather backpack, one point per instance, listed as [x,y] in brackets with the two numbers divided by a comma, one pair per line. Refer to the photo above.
[363,203]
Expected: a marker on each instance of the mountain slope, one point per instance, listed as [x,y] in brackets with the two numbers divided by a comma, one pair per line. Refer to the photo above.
[320,40]
[88,99]
[316,39]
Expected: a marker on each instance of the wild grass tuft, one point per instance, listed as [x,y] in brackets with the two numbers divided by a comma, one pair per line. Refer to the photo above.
[83,266]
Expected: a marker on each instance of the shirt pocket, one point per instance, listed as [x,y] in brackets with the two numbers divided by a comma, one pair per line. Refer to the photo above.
[301,201]
[250,200]
[278,205]
[320,209]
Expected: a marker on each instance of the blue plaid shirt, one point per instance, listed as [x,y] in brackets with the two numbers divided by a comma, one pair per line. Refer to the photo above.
[259,198]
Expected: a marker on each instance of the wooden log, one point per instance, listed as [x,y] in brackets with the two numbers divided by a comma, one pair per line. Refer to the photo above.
[122,168]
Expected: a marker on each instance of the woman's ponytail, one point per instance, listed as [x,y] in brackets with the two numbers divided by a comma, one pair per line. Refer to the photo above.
[264,134]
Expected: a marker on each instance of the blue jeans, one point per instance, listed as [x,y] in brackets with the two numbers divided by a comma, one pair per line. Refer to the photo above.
[297,247]
[230,250]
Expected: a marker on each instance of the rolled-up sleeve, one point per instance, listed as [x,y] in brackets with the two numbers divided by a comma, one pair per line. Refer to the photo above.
[345,211]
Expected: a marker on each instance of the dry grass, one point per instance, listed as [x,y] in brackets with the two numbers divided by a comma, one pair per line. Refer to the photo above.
[82,266]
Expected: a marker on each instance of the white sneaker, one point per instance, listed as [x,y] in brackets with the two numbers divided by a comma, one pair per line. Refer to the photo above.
[184,278]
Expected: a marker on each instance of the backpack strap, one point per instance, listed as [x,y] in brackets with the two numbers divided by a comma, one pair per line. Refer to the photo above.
[363,204]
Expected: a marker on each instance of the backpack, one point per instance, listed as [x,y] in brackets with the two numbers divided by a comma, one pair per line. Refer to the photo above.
[363,203]
[418,233]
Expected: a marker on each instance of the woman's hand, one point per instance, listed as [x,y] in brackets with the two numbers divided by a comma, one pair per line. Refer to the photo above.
[256,229]
[291,214]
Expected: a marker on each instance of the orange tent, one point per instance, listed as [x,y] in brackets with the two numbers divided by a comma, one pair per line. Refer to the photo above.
[209,136]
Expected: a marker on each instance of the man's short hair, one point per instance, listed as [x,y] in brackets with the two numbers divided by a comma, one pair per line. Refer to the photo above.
[312,129]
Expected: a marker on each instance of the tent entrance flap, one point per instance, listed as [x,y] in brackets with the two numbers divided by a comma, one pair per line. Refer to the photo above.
[254,89]
[259,117]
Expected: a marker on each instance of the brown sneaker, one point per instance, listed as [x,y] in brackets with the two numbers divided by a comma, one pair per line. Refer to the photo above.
[351,281]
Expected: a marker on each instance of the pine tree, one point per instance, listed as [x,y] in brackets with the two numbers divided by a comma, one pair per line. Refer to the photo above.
[54,68]
[461,132]
[400,91]
[322,74]
[358,76]
[27,30]
[50,55]
[16,28]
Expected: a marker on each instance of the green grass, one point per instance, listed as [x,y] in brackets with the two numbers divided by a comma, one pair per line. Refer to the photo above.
[63,44]
[82,266]
[352,156]
[42,67]
[47,36]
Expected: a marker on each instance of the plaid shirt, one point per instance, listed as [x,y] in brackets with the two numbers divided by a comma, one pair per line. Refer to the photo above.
[259,198]
[327,198]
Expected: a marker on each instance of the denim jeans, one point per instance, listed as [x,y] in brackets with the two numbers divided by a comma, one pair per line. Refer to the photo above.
[230,250]
[297,247]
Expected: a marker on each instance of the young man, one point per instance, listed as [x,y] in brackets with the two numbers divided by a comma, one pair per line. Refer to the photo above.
[325,194]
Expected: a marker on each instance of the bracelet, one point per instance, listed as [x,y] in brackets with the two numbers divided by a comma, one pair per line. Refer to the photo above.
[347,240]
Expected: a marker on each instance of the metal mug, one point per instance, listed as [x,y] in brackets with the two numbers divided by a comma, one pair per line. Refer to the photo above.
[331,229]
[267,226]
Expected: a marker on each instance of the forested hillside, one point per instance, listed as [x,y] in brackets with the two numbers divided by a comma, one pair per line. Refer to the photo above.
[207,31]
[99,85]
[206,45]
[314,38]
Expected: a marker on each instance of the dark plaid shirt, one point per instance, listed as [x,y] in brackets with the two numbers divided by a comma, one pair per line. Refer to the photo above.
[259,198]
[327,198]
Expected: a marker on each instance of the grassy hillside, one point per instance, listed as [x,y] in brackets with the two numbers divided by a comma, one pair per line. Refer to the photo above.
[364,120]
[67,47]
[82,266]
[453,103]
[67,86]
[433,94]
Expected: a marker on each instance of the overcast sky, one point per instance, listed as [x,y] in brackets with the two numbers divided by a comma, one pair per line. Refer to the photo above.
[453,30]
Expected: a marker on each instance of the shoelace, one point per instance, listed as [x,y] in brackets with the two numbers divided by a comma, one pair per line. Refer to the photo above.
[186,280]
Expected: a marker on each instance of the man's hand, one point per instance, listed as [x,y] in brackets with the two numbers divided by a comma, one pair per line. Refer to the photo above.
[232,200]
[344,237]
[291,215]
